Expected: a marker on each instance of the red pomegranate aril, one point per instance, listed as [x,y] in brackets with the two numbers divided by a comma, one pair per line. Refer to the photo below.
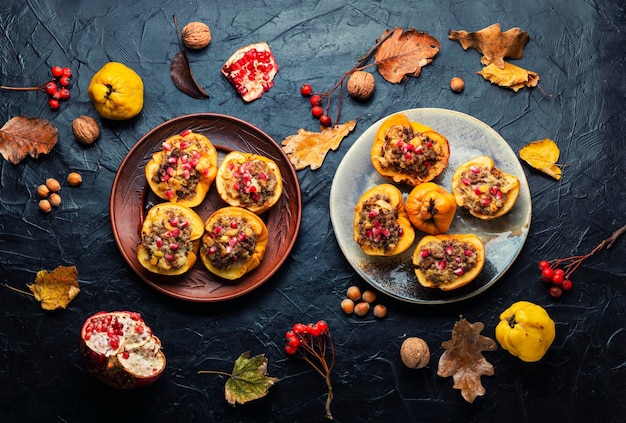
[424,253]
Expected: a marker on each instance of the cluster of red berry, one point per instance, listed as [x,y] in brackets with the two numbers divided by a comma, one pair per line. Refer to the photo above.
[316,105]
[555,276]
[58,88]
[303,335]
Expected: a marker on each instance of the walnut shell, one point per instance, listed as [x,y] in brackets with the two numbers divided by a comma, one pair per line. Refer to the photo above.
[361,85]
[85,129]
[196,35]
[415,353]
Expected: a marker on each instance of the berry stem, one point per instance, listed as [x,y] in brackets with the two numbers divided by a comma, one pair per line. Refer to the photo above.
[4,87]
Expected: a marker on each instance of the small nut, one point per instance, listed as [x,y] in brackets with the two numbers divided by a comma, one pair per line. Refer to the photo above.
[85,129]
[354,293]
[457,84]
[369,296]
[44,206]
[361,85]
[347,305]
[415,353]
[380,311]
[55,200]
[74,179]
[53,185]
[196,35]
[43,191]
[362,308]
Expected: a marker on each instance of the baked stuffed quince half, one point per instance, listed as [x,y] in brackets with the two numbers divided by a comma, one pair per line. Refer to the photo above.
[234,242]
[448,261]
[170,238]
[484,190]
[249,180]
[408,152]
[184,169]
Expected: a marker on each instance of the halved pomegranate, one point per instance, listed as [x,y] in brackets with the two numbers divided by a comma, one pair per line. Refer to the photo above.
[119,349]
[251,69]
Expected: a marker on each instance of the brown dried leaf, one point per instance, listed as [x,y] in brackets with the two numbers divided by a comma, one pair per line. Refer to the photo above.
[542,155]
[57,288]
[404,53]
[22,136]
[309,148]
[463,359]
[183,78]
[510,76]
[492,43]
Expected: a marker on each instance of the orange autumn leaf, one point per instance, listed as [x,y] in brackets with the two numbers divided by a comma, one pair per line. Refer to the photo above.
[510,76]
[404,53]
[493,44]
[57,288]
[308,148]
[463,358]
[22,136]
[542,155]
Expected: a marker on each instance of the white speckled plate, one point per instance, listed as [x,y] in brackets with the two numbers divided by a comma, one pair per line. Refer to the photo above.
[503,237]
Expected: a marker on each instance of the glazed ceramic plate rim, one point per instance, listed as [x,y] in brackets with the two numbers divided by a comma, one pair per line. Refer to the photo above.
[503,237]
[128,205]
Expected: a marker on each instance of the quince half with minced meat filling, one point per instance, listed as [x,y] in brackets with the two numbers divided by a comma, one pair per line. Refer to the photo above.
[170,238]
[484,190]
[234,242]
[249,180]
[184,169]
[409,152]
[448,261]
[381,224]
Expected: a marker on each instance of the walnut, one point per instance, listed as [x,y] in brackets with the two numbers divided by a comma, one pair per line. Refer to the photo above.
[361,85]
[415,353]
[196,35]
[85,129]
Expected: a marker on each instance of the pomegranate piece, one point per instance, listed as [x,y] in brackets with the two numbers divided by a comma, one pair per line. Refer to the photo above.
[251,70]
[119,349]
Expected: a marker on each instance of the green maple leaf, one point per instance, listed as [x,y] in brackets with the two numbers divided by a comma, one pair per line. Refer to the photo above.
[249,379]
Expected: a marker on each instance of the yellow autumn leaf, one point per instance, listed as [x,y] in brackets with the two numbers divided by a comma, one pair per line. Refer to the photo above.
[57,288]
[308,148]
[510,76]
[542,155]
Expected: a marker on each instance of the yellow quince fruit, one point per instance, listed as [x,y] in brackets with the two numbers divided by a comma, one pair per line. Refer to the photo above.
[116,92]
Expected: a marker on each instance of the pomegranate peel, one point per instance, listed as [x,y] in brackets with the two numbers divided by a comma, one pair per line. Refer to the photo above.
[120,350]
[251,70]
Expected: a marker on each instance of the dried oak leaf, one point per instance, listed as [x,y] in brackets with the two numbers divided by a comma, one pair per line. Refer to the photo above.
[249,379]
[22,136]
[308,148]
[463,359]
[403,53]
[492,43]
[57,288]
[542,155]
[510,76]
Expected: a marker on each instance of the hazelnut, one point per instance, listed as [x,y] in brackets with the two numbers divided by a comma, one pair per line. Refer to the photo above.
[53,185]
[361,85]
[85,129]
[44,206]
[74,179]
[55,200]
[347,305]
[415,353]
[354,293]
[369,296]
[362,308]
[457,84]
[380,311]
[43,191]
[196,35]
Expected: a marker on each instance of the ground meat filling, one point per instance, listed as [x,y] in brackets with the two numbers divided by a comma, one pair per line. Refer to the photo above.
[167,241]
[378,226]
[482,190]
[443,262]
[229,242]
[407,152]
[254,182]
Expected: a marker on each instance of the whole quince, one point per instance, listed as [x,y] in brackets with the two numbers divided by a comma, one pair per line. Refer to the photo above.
[116,92]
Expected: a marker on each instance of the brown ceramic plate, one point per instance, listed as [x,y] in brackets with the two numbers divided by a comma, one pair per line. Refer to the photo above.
[131,198]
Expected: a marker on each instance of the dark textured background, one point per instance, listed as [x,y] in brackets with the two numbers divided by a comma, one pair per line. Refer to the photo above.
[576,48]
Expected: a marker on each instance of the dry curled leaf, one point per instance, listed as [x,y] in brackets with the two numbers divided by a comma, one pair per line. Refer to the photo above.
[493,44]
[404,53]
[463,359]
[22,136]
[510,76]
[308,148]
[542,155]
[57,288]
